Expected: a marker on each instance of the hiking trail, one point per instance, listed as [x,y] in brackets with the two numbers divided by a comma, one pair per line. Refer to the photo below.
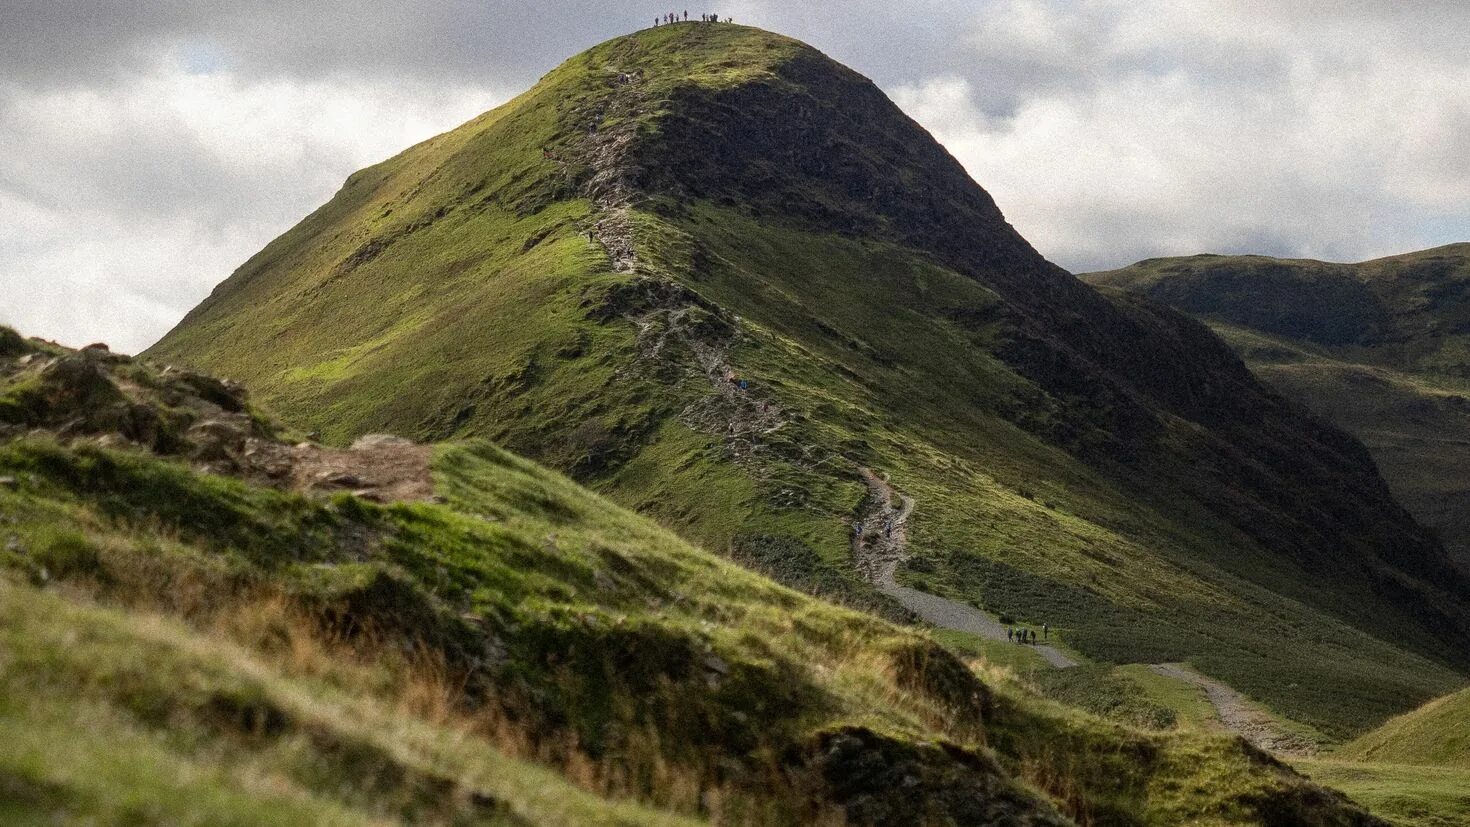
[1239,715]
[744,420]
[878,551]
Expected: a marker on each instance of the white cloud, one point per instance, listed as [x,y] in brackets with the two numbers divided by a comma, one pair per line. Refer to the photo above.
[1328,146]
[124,208]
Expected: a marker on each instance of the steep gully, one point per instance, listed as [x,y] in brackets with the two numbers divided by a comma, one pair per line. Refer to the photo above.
[880,546]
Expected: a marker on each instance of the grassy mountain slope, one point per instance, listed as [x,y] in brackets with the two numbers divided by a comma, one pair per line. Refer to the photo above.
[1436,733]
[577,273]
[179,645]
[1381,348]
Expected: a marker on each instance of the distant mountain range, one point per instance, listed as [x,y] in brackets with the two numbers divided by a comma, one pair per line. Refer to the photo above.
[1381,349]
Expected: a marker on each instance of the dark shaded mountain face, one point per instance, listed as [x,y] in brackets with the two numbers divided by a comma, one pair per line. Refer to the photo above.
[1378,348]
[588,273]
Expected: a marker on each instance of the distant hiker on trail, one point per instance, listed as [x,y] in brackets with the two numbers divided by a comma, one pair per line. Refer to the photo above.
[888,527]
[1045,632]
[1010,634]
[686,14]
[745,384]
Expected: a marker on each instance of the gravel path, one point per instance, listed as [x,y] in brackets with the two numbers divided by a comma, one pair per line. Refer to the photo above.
[1239,715]
[878,551]
[962,617]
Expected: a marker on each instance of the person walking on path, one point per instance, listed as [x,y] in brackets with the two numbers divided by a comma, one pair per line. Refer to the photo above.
[1045,632]
[1010,635]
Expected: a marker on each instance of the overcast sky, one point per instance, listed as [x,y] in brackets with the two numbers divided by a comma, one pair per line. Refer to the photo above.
[147,148]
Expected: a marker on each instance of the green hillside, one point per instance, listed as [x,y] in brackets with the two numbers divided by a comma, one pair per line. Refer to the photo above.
[1436,733]
[578,273]
[186,647]
[1380,348]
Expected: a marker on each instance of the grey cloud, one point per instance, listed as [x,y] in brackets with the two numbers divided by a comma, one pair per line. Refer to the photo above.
[1108,130]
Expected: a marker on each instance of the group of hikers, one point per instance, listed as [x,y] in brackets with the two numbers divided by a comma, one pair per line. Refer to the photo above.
[1027,636]
[673,17]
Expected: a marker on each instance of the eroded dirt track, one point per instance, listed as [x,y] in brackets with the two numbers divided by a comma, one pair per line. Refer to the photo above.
[377,467]
[1239,715]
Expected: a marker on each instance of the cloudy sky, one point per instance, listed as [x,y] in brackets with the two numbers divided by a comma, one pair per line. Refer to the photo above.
[147,148]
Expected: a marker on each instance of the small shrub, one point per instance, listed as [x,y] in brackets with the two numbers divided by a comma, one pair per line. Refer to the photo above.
[68,554]
[12,343]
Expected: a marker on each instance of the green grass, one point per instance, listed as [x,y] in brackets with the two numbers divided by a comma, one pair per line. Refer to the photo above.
[1409,796]
[113,717]
[1021,660]
[1190,705]
[1099,691]
[1437,733]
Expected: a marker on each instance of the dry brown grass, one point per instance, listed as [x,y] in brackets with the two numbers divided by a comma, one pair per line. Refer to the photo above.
[415,680]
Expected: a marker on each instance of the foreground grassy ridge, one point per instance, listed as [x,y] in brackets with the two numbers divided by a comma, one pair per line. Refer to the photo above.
[120,717]
[551,627]
[456,291]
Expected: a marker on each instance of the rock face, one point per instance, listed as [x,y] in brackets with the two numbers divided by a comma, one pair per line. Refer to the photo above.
[714,273]
[95,395]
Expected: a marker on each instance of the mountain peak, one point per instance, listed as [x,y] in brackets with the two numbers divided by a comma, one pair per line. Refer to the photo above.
[718,275]
[738,115]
